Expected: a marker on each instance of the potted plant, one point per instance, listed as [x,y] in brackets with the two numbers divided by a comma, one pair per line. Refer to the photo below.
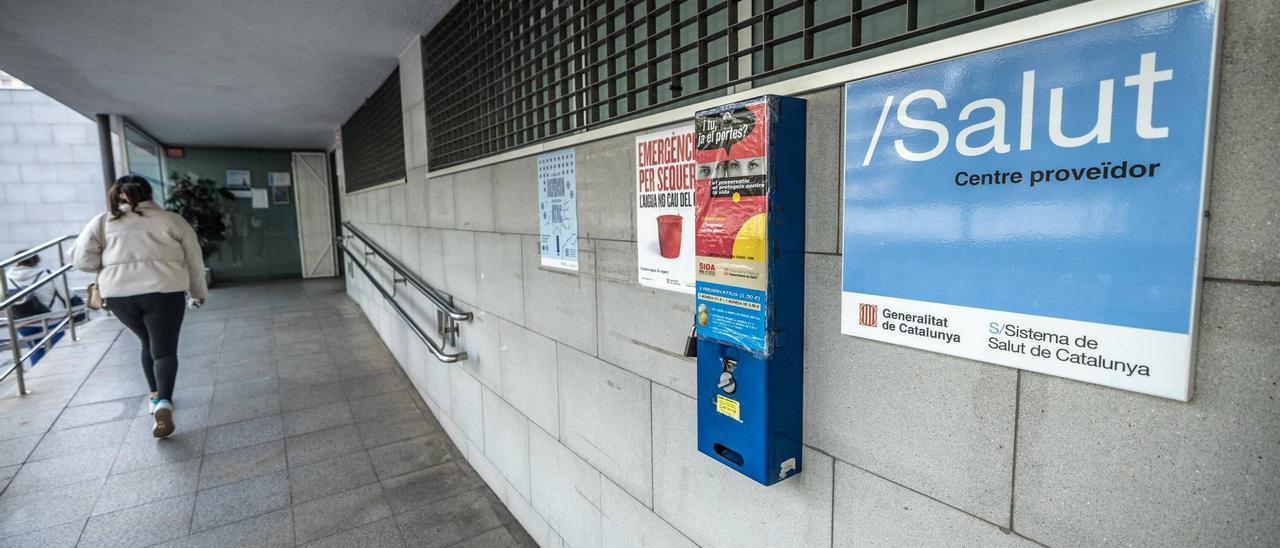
[201,203]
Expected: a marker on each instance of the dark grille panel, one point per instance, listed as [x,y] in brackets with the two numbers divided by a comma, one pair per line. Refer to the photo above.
[373,139]
[501,74]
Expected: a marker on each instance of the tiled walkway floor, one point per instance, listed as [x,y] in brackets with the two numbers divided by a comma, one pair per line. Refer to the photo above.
[295,427]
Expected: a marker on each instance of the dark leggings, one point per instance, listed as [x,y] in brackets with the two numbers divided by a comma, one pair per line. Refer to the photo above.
[156,318]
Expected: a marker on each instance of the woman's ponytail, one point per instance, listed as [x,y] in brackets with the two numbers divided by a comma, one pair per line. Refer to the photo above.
[130,189]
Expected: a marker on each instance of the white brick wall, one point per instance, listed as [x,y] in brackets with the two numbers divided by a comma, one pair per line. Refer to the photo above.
[49,172]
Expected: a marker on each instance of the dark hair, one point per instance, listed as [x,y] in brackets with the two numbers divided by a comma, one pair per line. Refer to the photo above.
[135,190]
[29,261]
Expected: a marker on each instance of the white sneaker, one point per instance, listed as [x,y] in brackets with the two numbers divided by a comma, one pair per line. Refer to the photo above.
[151,407]
[163,420]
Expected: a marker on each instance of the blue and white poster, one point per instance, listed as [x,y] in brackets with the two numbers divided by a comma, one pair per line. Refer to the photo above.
[558,209]
[1039,205]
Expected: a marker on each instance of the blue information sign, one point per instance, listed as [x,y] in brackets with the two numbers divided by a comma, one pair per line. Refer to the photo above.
[1037,205]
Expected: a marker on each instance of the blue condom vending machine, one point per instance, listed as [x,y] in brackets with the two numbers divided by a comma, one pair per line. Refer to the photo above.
[749,292]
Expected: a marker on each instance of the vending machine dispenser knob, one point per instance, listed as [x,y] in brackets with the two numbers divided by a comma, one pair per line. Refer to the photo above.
[727,383]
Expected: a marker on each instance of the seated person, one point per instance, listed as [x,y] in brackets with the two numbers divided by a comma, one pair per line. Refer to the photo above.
[47,298]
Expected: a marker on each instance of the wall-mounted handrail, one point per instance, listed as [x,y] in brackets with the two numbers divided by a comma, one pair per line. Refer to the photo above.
[441,302]
[6,306]
[432,345]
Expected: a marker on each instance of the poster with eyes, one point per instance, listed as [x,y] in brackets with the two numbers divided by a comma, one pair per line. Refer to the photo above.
[731,180]
[665,174]
[558,209]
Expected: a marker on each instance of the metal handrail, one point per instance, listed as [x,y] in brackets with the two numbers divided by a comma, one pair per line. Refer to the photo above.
[441,302]
[433,346]
[9,301]
[35,250]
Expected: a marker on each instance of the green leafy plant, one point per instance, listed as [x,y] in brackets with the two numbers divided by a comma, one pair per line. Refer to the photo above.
[202,204]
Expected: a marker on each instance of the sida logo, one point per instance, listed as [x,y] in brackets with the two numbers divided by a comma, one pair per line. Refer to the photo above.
[867,314]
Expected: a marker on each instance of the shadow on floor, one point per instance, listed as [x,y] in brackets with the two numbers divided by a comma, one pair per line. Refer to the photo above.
[295,427]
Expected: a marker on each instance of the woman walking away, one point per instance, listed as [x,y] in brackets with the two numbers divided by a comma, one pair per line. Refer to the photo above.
[146,259]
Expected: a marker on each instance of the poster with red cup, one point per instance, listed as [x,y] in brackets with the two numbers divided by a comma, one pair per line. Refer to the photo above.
[665,175]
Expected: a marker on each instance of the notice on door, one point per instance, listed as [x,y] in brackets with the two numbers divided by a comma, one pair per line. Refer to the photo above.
[665,173]
[558,209]
[1040,205]
[732,228]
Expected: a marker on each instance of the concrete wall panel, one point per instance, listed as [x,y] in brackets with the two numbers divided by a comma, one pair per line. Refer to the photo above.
[823,153]
[642,330]
[1245,224]
[460,264]
[606,189]
[628,523]
[441,209]
[560,304]
[473,192]
[605,419]
[480,339]
[1103,466]
[870,511]
[529,375]
[565,490]
[466,404]
[937,424]
[515,196]
[500,267]
[716,506]
[506,441]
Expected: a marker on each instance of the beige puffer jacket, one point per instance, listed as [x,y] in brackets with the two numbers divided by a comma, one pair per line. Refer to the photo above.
[155,252]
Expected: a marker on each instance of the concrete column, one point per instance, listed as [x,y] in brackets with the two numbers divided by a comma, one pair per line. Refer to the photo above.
[104,148]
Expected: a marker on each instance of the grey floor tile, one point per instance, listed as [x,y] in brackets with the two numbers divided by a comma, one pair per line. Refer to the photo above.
[94,413]
[145,453]
[240,389]
[270,530]
[520,535]
[498,537]
[243,463]
[302,347]
[414,489]
[330,476]
[323,444]
[373,385]
[379,534]
[318,360]
[25,424]
[447,521]
[149,484]
[292,379]
[64,470]
[382,405]
[32,512]
[185,419]
[251,368]
[59,536]
[141,525]
[16,450]
[317,418]
[339,512]
[295,397]
[402,457]
[6,474]
[250,407]
[96,437]
[384,430]
[245,433]
[240,500]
